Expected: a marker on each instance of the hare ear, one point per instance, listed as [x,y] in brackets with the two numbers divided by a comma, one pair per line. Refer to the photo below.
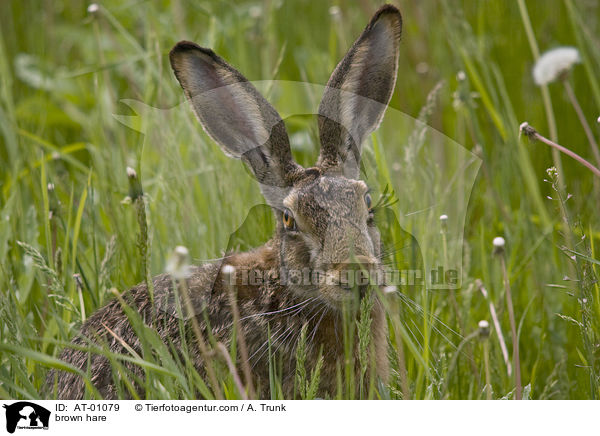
[235,115]
[359,91]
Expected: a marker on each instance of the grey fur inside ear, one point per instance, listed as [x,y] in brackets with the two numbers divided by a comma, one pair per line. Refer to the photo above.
[234,114]
[359,90]
[223,101]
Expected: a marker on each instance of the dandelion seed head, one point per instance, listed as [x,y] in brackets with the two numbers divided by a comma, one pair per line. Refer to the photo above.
[178,263]
[484,328]
[553,63]
[131,173]
[499,242]
[180,250]
[93,8]
[444,217]
[460,76]
[390,289]
[229,274]
[335,11]
[228,270]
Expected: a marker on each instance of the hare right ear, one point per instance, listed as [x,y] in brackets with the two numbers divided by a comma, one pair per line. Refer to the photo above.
[359,91]
[236,116]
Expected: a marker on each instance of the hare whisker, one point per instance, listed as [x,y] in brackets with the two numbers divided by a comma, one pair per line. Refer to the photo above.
[418,309]
[325,310]
[316,310]
[288,333]
[275,338]
[274,312]
[392,249]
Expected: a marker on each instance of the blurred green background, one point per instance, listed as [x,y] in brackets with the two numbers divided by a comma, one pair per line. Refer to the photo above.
[65,68]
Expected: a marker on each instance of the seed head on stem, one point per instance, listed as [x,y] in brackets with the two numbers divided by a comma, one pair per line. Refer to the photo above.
[93,8]
[484,334]
[228,272]
[484,329]
[533,135]
[554,63]
[178,263]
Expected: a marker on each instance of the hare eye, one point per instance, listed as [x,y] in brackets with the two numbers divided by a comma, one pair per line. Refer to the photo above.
[288,220]
[368,201]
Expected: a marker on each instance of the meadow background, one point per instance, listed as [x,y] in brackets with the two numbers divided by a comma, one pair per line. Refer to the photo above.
[465,70]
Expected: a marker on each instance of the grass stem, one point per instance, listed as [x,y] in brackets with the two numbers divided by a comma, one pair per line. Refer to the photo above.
[497,327]
[488,376]
[204,352]
[584,123]
[544,88]
[232,370]
[229,277]
[513,329]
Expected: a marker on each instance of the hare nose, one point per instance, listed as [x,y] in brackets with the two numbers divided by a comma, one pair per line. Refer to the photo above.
[356,273]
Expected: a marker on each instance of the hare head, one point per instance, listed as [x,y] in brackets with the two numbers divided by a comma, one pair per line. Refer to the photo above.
[324,213]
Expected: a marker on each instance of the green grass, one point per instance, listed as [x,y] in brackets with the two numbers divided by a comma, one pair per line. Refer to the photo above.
[70,114]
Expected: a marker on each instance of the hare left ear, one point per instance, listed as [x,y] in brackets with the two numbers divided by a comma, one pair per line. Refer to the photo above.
[359,91]
[236,116]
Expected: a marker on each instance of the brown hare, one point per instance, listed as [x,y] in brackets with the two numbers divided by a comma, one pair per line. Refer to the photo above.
[325,222]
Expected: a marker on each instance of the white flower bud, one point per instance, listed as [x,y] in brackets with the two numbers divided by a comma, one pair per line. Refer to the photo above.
[484,329]
[131,173]
[390,289]
[178,264]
